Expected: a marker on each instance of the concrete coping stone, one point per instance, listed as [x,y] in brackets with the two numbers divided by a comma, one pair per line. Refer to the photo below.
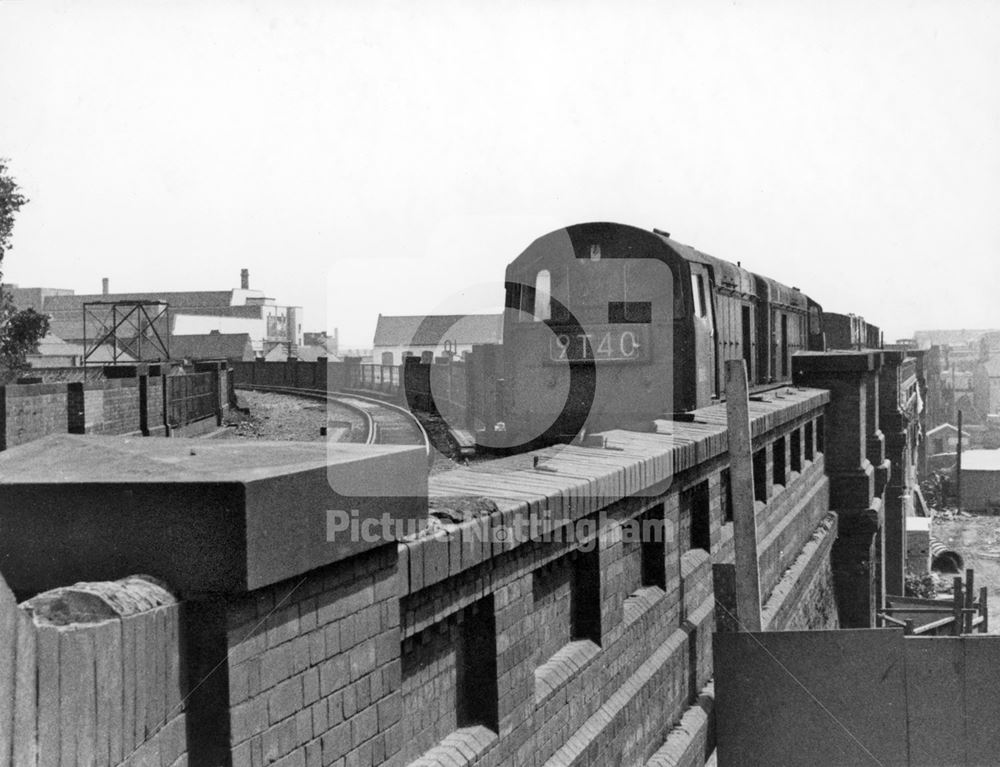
[206,516]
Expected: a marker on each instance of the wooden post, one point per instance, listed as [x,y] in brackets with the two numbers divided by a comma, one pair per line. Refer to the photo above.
[748,611]
[969,594]
[907,627]
[957,602]
[984,611]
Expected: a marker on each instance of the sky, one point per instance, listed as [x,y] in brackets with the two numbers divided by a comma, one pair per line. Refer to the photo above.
[392,157]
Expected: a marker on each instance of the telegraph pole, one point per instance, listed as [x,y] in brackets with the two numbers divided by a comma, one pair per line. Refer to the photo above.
[958,465]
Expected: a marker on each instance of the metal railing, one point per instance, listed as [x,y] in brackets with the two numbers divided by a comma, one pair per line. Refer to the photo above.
[189,398]
[382,378]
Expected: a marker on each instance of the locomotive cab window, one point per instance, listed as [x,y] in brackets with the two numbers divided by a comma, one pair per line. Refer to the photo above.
[698,291]
[543,293]
[513,295]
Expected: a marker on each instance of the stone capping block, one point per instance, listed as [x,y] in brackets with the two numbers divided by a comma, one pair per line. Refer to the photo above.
[463,746]
[566,664]
[639,602]
[207,517]
[607,716]
[583,480]
[691,740]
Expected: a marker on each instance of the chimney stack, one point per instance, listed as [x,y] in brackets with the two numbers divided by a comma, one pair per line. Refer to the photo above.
[245,279]
[105,283]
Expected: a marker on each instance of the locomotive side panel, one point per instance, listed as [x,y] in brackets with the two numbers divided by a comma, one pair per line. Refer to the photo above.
[734,296]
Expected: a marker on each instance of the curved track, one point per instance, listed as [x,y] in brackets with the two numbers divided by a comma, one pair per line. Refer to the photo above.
[392,425]
[386,424]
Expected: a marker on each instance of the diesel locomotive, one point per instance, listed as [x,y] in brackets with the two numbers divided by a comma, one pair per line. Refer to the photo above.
[608,325]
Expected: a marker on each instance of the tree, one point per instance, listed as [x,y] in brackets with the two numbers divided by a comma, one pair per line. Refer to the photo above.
[20,331]
[11,201]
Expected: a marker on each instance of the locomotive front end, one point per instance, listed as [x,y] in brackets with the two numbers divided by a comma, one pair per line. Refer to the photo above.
[588,334]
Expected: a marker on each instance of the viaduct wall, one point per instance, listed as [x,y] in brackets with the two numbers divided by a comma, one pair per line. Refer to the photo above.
[129,403]
[464,390]
[524,621]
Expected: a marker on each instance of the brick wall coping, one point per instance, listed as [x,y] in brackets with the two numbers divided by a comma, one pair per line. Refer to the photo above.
[571,482]
[104,385]
[31,390]
[784,597]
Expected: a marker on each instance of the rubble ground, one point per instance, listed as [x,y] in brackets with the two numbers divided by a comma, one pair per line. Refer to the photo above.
[977,539]
[287,417]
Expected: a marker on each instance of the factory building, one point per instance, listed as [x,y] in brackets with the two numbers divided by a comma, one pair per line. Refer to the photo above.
[233,312]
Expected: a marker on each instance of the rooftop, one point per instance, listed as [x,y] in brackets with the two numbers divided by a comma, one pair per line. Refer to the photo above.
[946,427]
[212,345]
[430,330]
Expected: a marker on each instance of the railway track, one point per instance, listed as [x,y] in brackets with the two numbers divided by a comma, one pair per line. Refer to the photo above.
[386,424]
[391,424]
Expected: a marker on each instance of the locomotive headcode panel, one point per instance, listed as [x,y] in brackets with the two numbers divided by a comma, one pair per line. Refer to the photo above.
[607,343]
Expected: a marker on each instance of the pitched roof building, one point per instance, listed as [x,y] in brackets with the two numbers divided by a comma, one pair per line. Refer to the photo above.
[432,335]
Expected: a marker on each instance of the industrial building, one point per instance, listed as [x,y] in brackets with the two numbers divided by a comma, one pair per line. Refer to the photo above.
[80,319]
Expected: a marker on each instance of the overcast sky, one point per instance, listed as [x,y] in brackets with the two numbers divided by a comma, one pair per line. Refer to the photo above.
[365,157]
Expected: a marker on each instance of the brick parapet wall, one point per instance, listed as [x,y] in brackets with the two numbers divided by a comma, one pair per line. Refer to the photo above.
[452,567]
[108,407]
[93,675]
[313,667]
[113,406]
[30,411]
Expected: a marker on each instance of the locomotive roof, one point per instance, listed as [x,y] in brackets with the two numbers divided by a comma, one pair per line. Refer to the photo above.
[727,274]
[736,278]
